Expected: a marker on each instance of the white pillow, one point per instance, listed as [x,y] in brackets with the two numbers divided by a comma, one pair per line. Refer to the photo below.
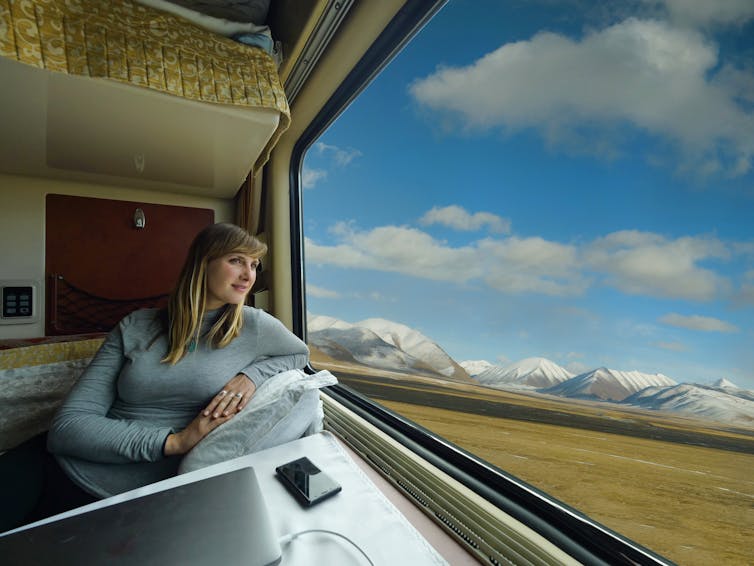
[284,408]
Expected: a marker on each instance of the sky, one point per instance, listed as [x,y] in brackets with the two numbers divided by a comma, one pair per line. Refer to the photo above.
[557,178]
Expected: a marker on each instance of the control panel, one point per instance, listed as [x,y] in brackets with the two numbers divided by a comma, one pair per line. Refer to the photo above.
[19,302]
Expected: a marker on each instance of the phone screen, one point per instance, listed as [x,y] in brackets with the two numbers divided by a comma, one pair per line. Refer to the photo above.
[306,481]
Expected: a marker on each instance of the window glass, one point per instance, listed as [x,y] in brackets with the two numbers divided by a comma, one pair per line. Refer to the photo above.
[532,234]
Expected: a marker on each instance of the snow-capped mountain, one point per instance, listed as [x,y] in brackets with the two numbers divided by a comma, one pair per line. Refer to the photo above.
[718,403]
[382,344]
[416,344]
[529,372]
[320,322]
[475,367]
[608,384]
[725,383]
[343,341]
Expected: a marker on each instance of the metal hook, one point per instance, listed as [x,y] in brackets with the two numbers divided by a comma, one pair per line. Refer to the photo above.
[139,219]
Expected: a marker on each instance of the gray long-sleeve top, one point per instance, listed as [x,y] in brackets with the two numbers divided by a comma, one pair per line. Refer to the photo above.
[109,433]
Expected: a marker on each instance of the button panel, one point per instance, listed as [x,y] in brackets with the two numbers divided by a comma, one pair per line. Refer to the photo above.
[17,302]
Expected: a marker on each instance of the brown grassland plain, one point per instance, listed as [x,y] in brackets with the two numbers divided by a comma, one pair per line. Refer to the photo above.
[689,498]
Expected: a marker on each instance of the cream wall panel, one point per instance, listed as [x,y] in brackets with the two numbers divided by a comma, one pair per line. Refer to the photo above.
[365,22]
[22,228]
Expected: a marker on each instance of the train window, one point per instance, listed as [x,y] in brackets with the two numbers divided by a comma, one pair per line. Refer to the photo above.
[531,235]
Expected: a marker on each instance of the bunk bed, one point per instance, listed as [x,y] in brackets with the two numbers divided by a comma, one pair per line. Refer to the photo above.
[121,90]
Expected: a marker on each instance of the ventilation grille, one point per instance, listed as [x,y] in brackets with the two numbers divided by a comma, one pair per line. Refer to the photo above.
[485,531]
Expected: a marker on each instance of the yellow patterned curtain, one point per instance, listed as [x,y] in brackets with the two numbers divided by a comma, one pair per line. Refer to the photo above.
[127,42]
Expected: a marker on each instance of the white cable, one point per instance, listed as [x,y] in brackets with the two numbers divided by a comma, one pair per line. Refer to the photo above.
[288,538]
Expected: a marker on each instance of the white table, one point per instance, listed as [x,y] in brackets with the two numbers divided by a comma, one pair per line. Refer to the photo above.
[360,512]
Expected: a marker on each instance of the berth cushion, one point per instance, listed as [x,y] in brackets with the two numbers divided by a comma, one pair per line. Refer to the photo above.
[34,380]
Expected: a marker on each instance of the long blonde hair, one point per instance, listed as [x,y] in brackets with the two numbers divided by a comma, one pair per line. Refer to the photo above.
[186,306]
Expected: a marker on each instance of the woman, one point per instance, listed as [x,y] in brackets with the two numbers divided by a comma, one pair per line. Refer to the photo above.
[163,380]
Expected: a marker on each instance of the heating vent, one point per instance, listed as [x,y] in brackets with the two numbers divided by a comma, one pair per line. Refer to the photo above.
[492,536]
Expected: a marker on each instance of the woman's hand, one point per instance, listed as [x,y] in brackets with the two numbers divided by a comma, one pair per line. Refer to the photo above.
[181,442]
[232,398]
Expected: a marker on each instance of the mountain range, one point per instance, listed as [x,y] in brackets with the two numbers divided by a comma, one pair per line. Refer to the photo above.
[608,384]
[721,401]
[387,345]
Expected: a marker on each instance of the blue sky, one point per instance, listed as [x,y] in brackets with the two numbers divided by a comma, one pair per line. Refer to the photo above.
[563,179]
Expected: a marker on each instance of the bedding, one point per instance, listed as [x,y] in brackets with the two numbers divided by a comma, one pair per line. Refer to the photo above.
[124,41]
[34,380]
[241,31]
[285,407]
[254,11]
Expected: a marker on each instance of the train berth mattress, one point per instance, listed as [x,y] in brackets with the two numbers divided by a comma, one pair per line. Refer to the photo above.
[119,72]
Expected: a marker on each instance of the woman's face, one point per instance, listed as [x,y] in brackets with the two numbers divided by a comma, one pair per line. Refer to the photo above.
[229,279]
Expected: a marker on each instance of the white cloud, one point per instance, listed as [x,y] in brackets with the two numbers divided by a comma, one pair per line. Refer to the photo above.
[512,265]
[535,265]
[707,12]
[321,292]
[459,218]
[634,262]
[342,255]
[578,94]
[697,322]
[398,249]
[310,177]
[644,263]
[341,156]
[738,82]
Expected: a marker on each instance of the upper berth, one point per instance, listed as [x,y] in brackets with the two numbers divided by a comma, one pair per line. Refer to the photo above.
[122,93]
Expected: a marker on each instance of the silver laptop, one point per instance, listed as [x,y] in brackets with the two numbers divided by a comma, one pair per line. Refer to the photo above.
[218,520]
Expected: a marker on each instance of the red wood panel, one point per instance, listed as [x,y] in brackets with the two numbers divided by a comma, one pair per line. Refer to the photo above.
[95,246]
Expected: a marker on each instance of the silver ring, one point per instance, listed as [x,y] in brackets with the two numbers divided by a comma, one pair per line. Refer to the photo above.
[239,395]
[223,393]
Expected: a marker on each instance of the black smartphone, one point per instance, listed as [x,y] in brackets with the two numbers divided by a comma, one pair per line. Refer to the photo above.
[306,481]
